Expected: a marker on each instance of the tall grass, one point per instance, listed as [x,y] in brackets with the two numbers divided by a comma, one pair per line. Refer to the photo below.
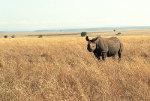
[60,68]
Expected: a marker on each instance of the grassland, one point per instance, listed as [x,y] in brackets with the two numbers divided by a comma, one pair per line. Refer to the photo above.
[61,69]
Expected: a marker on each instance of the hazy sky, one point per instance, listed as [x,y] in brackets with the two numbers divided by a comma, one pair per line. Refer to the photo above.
[59,14]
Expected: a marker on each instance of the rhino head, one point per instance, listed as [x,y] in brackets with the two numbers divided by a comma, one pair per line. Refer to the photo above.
[91,46]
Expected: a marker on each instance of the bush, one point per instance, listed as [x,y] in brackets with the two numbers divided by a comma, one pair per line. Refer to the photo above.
[119,33]
[83,34]
[13,36]
[40,36]
[5,36]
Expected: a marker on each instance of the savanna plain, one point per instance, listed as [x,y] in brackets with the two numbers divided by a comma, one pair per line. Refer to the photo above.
[59,68]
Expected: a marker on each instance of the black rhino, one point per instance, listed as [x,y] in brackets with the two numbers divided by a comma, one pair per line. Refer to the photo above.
[105,47]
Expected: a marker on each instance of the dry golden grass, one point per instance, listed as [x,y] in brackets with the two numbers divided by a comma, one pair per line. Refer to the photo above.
[60,68]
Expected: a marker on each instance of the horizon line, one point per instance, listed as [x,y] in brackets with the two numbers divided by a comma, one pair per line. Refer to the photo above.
[75,28]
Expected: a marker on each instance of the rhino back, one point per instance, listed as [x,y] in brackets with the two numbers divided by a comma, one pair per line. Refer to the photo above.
[102,44]
[114,45]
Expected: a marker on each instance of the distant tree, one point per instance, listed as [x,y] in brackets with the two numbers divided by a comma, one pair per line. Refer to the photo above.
[5,36]
[83,34]
[40,36]
[114,30]
[13,36]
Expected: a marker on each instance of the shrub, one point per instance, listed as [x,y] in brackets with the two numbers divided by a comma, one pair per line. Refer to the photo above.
[5,36]
[119,33]
[13,36]
[83,34]
[40,36]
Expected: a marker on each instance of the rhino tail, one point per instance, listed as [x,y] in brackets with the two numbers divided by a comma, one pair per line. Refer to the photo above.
[121,47]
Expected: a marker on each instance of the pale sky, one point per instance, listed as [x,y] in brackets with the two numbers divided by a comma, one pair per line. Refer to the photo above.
[60,14]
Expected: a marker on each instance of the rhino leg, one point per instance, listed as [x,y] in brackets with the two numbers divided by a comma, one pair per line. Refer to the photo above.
[119,55]
[97,56]
[120,51]
[104,54]
[113,56]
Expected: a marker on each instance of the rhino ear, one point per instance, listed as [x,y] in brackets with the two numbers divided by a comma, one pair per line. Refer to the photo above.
[93,40]
[87,38]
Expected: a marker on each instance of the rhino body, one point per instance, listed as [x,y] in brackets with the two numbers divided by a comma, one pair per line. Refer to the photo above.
[105,47]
